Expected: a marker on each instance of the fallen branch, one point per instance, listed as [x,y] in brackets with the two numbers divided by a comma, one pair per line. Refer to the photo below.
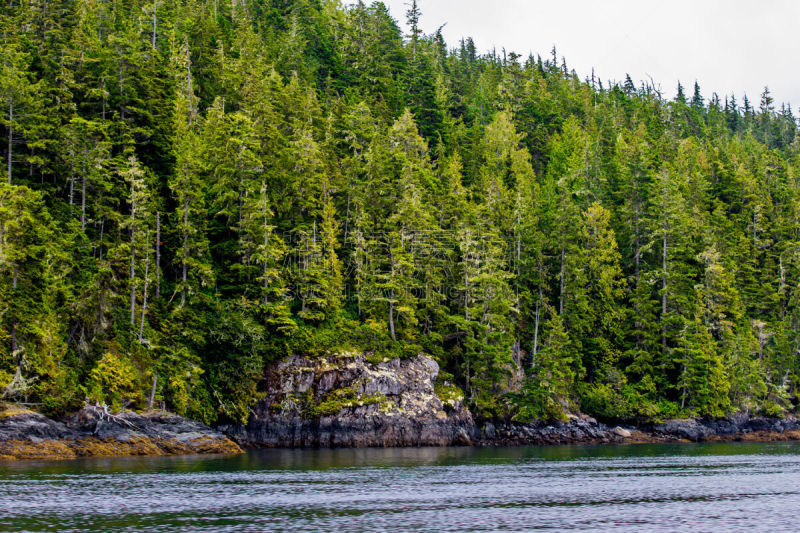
[105,415]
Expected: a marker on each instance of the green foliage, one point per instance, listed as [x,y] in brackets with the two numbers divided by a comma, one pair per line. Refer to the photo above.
[114,381]
[183,205]
[449,394]
[333,401]
[549,389]
[613,399]
[339,399]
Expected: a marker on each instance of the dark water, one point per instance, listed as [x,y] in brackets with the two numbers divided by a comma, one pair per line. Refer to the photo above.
[701,487]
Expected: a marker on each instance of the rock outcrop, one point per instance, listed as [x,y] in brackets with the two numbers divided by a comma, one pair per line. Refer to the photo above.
[347,401]
[576,430]
[586,430]
[93,431]
[737,427]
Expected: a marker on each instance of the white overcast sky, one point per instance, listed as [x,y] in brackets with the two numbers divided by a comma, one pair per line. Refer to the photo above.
[728,46]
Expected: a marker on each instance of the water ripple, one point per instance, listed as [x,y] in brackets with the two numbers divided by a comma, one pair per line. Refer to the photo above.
[709,487]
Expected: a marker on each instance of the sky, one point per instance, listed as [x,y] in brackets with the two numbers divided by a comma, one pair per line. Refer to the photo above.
[728,46]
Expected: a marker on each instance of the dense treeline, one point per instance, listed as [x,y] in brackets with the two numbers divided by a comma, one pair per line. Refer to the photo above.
[195,188]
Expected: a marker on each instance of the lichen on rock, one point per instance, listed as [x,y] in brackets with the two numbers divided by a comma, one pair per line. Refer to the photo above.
[355,400]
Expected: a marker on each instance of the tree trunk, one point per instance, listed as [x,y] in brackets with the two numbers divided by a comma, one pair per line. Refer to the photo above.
[561,283]
[100,245]
[133,257]
[536,330]
[185,264]
[664,295]
[144,290]
[71,187]
[683,389]
[152,391]
[391,316]
[83,202]
[158,254]
[155,20]
[14,320]
[266,240]
[10,133]
[189,90]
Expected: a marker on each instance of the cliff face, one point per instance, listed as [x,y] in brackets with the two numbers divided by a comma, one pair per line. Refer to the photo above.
[347,401]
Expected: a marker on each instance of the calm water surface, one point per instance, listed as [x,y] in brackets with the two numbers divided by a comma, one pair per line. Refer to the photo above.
[697,487]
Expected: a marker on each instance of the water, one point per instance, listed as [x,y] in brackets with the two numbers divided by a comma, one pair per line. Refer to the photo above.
[697,487]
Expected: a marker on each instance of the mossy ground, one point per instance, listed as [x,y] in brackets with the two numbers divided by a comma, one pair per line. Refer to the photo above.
[10,409]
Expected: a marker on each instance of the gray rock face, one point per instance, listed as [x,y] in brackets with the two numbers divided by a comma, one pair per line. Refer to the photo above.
[93,431]
[30,426]
[576,430]
[346,401]
[689,429]
[128,426]
[738,425]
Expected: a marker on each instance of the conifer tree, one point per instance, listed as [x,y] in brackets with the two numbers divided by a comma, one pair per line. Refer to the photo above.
[186,186]
[547,393]
[596,312]
[555,244]
[25,249]
[703,384]
[18,93]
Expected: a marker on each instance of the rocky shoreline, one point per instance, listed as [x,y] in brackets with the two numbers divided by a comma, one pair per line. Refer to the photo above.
[586,430]
[93,432]
[29,435]
[347,400]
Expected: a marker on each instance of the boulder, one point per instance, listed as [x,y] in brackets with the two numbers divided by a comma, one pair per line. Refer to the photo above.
[624,433]
[686,429]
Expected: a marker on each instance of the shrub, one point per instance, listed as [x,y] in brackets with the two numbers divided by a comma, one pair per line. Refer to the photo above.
[113,380]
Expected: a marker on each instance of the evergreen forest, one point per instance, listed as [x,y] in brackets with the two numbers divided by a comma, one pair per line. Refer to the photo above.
[195,189]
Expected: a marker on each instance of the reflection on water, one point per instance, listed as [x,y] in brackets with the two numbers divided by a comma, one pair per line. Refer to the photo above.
[700,487]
